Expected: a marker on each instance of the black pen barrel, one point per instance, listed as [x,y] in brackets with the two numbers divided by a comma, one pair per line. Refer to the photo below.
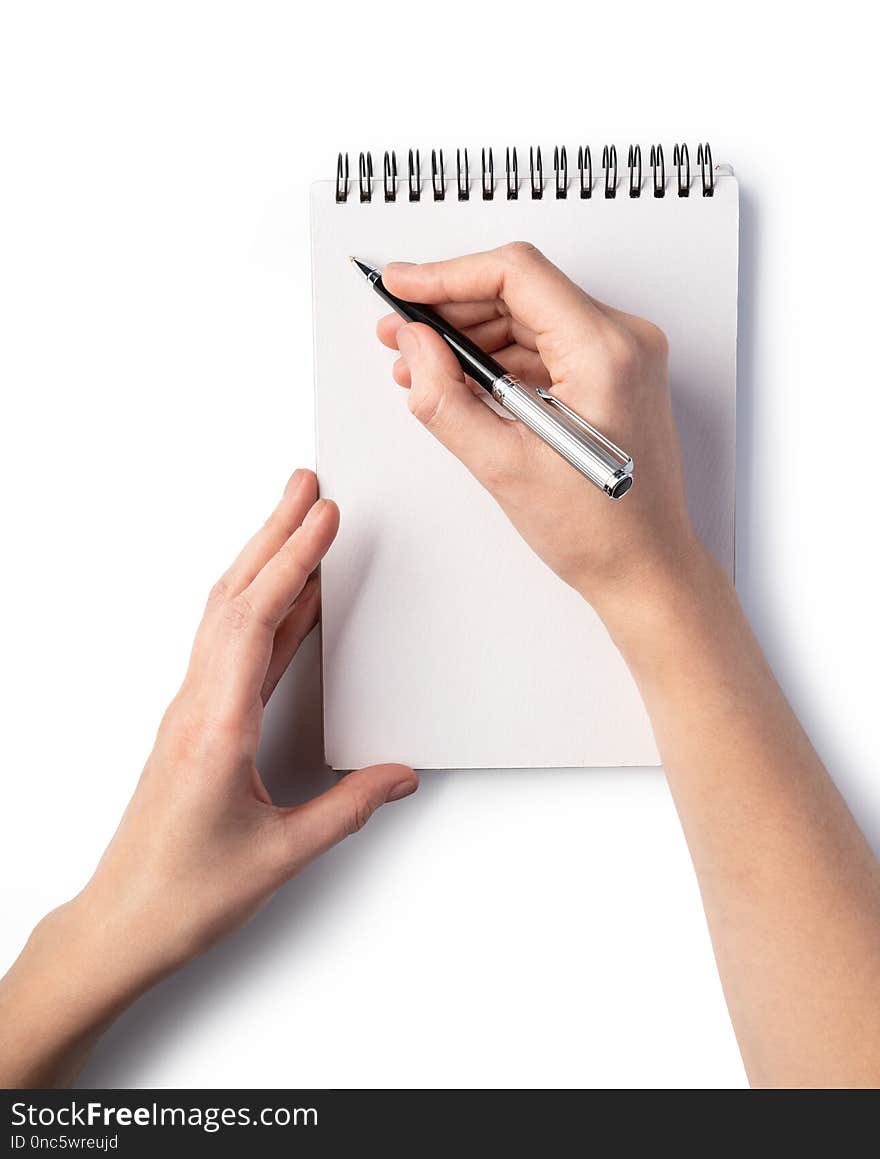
[474,361]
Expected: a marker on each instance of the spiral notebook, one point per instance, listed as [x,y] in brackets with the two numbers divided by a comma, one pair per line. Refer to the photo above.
[446,643]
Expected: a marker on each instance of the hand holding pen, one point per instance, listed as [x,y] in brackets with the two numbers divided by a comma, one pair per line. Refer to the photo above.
[540,327]
[570,435]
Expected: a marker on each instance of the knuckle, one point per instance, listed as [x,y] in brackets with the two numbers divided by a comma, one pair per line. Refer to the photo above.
[293,569]
[359,812]
[176,718]
[621,356]
[654,340]
[290,554]
[189,734]
[219,593]
[238,613]
[426,403]
[520,252]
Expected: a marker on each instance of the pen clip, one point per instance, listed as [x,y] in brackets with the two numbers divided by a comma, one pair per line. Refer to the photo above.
[606,444]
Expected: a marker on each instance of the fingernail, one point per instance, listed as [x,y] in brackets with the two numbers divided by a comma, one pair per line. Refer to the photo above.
[314,512]
[401,790]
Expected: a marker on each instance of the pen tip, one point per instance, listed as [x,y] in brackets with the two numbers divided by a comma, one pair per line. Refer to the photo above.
[369,273]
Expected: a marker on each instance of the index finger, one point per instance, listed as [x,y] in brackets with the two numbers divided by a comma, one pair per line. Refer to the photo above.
[243,637]
[536,292]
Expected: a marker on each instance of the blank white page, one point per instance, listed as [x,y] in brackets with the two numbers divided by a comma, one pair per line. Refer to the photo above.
[446,642]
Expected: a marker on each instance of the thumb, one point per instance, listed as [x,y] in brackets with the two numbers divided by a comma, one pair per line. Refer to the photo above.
[442,401]
[313,828]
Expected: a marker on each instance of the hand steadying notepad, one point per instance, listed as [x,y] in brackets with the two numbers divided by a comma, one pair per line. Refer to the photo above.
[446,642]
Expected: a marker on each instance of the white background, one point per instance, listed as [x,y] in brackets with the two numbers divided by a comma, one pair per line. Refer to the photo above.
[498,929]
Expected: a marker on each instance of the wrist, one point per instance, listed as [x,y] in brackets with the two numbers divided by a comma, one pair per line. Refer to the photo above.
[110,947]
[81,959]
[645,612]
[64,989]
[92,953]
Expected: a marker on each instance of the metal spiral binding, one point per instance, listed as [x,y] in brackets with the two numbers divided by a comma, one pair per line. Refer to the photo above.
[536,171]
[389,178]
[464,187]
[585,168]
[634,161]
[365,176]
[511,164]
[609,179]
[609,164]
[560,165]
[415,176]
[659,166]
[707,173]
[438,175]
[681,159]
[488,176]
[341,178]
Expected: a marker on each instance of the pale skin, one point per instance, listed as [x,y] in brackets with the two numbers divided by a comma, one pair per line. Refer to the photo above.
[791,889]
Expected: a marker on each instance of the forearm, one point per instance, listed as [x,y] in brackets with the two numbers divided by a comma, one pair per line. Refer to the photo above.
[67,985]
[790,887]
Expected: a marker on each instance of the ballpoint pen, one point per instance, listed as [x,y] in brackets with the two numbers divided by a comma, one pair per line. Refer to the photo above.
[571,436]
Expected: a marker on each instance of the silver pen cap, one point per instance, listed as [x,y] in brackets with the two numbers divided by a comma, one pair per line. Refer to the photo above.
[572,437]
